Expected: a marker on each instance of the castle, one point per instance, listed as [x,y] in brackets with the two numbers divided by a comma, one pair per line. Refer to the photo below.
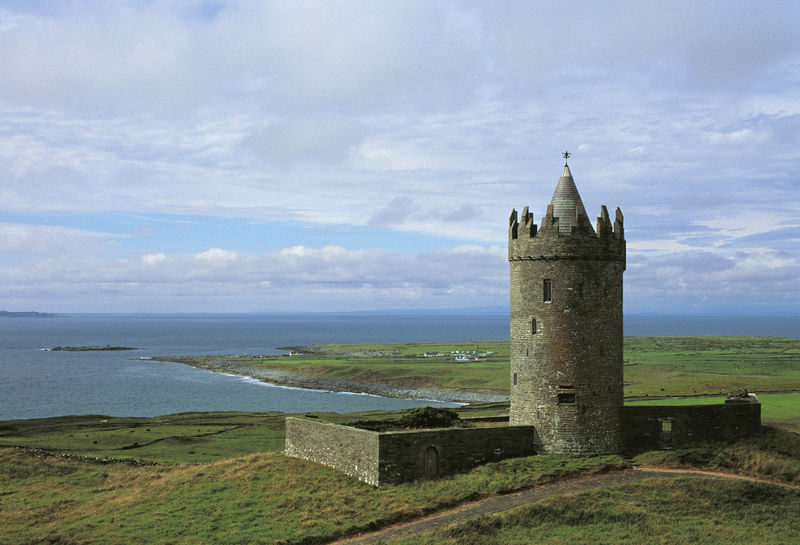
[566,368]
[566,324]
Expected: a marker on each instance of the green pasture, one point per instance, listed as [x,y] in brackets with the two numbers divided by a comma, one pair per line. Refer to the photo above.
[654,366]
[257,498]
[179,438]
[241,492]
[190,437]
[707,365]
[401,365]
[665,511]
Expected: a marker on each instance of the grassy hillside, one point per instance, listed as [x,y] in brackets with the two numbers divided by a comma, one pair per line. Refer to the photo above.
[674,512]
[257,498]
[262,497]
[221,478]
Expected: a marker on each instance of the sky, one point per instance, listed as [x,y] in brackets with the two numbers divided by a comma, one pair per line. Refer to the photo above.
[178,156]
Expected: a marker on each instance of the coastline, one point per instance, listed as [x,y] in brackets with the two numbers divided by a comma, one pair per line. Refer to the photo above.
[221,364]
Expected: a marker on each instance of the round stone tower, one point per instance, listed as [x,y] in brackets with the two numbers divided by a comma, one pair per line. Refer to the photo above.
[566,324]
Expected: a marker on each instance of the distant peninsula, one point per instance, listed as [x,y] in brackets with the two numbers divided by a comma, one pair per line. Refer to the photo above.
[90,348]
[7,314]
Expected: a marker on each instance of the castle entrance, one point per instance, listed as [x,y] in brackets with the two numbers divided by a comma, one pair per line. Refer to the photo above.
[431,463]
[666,434]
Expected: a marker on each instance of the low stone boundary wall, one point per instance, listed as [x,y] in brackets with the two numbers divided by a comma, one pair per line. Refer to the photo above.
[380,458]
[412,455]
[350,450]
[680,426]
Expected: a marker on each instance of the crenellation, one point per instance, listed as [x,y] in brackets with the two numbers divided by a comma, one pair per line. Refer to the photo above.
[604,228]
[513,225]
[619,231]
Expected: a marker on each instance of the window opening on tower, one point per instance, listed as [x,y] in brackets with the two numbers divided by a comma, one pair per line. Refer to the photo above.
[547,290]
[533,326]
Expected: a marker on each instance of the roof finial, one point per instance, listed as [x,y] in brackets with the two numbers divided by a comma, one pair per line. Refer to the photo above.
[566,155]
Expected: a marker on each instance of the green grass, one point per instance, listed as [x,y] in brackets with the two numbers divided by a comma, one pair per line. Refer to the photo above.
[775,456]
[674,511]
[654,366]
[708,365]
[248,494]
[189,437]
[403,365]
[258,498]
[179,438]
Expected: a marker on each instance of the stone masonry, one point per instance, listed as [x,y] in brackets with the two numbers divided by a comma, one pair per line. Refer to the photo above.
[392,457]
[680,426]
[566,325]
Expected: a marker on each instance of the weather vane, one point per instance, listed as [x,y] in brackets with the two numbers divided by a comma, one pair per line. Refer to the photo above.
[566,155]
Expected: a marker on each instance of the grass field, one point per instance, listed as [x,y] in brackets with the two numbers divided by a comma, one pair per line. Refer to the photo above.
[257,498]
[654,366]
[707,365]
[404,365]
[675,511]
[244,496]
[221,477]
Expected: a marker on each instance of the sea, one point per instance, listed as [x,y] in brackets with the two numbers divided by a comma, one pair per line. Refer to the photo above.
[36,382]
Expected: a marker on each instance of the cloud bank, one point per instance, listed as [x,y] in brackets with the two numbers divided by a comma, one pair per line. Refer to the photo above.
[348,155]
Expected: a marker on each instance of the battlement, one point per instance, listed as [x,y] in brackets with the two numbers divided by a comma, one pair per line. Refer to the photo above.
[580,224]
[529,241]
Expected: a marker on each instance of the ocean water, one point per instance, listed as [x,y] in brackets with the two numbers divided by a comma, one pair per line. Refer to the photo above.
[38,383]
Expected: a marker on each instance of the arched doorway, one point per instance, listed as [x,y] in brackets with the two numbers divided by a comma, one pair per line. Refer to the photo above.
[431,463]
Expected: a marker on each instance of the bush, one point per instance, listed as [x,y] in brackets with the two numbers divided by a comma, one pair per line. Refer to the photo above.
[429,417]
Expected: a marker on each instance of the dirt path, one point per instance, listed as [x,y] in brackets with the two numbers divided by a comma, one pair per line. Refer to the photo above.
[497,504]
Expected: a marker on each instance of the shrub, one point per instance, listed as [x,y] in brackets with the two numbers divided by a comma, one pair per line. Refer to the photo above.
[429,417]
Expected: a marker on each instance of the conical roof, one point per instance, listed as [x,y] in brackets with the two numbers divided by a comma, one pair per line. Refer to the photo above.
[565,201]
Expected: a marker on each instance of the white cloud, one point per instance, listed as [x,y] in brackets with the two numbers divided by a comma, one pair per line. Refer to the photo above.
[291,278]
[401,122]
[217,255]
[154,259]
[45,241]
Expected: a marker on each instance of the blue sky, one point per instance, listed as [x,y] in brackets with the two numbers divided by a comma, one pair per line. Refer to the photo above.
[328,156]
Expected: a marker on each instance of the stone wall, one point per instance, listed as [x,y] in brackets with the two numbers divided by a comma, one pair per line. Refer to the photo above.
[394,457]
[350,450]
[411,455]
[661,426]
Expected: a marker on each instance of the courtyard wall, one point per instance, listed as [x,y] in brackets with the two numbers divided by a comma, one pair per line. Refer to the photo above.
[662,426]
[393,457]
